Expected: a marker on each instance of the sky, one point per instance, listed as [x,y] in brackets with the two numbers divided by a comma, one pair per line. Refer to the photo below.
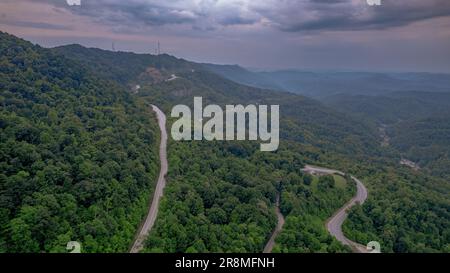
[343,35]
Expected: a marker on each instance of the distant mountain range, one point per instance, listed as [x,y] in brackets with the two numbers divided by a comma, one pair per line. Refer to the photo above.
[322,84]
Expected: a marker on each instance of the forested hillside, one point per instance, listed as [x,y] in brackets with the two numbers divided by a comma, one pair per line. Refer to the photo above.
[218,193]
[425,141]
[393,107]
[409,209]
[310,132]
[77,155]
[406,212]
[221,199]
[83,115]
[413,109]
[308,202]
[417,124]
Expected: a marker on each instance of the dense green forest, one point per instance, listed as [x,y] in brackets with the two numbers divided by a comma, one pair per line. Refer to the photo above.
[417,124]
[78,155]
[414,108]
[219,198]
[425,141]
[79,161]
[405,213]
[308,202]
[312,131]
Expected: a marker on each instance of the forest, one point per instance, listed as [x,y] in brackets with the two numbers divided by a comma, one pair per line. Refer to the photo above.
[416,124]
[406,213]
[79,162]
[78,155]
[308,202]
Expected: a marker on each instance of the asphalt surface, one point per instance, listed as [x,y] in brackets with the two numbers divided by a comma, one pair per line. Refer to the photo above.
[271,243]
[334,224]
[153,211]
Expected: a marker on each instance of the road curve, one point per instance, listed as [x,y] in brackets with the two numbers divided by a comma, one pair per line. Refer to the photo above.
[271,243]
[334,224]
[153,211]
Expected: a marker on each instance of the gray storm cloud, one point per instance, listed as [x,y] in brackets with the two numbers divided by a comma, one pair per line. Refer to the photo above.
[285,15]
[404,35]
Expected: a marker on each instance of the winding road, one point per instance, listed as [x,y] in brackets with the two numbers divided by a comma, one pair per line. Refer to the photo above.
[271,243]
[153,211]
[334,224]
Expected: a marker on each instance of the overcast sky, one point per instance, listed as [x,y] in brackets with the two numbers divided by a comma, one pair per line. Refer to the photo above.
[399,35]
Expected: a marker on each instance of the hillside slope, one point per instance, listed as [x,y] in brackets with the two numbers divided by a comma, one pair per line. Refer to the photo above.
[416,124]
[78,154]
[309,121]
[79,160]
[221,195]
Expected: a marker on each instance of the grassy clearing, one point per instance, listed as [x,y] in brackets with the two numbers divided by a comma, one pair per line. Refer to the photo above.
[340,181]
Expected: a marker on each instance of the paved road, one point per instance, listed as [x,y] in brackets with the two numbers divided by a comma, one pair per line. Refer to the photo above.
[271,243]
[334,224]
[153,211]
